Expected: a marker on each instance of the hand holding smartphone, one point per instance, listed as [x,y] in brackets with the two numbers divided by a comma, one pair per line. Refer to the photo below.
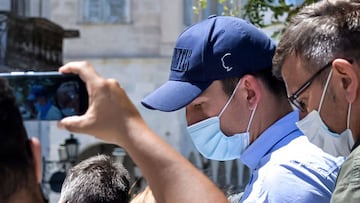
[48,95]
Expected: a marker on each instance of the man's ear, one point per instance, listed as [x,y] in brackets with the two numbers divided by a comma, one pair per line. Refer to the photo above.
[349,78]
[36,154]
[253,88]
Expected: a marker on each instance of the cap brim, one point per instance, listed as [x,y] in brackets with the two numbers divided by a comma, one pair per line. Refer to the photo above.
[173,95]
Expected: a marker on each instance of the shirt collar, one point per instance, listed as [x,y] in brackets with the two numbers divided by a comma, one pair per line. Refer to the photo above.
[272,136]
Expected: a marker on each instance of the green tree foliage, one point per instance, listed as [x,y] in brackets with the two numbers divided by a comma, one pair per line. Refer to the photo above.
[257,11]
[281,12]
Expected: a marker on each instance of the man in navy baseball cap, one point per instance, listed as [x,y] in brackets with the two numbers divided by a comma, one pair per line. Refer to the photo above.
[214,49]
[236,109]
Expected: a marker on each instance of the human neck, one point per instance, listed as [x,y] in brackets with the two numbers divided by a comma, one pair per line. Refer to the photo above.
[269,115]
[355,120]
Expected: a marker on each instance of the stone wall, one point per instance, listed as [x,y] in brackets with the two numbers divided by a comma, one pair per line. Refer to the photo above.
[152,31]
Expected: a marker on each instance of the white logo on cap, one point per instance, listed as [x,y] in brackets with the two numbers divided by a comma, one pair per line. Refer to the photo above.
[227,68]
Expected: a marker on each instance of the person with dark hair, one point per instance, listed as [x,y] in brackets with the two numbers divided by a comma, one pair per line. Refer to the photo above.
[97,179]
[45,108]
[235,109]
[318,57]
[20,157]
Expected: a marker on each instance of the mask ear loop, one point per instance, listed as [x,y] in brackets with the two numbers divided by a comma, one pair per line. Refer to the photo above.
[325,88]
[231,97]
[251,119]
[348,117]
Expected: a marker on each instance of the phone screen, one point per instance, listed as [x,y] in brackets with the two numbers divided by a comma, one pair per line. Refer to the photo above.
[48,95]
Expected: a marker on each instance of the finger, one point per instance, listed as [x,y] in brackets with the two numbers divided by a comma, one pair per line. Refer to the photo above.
[82,68]
[113,83]
[71,67]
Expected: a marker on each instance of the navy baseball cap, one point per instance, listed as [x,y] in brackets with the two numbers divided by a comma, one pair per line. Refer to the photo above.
[36,91]
[214,49]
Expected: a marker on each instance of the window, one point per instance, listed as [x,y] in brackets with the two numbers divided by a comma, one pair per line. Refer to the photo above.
[213,7]
[105,11]
[3,38]
[190,17]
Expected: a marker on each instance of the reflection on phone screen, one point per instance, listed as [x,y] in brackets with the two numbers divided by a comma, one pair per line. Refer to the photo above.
[48,98]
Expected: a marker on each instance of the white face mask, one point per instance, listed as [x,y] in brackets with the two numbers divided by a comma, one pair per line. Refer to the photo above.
[213,144]
[319,134]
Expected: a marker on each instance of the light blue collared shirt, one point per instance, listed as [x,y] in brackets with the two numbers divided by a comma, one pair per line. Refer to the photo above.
[286,167]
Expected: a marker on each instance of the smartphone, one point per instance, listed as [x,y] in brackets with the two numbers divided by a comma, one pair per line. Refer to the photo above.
[48,95]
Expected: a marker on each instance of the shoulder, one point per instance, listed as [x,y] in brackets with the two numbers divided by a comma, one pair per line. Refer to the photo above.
[308,160]
[291,182]
[349,179]
[296,172]
[307,168]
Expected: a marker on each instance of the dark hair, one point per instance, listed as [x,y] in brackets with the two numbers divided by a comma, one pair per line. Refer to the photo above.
[97,179]
[273,84]
[319,33]
[17,167]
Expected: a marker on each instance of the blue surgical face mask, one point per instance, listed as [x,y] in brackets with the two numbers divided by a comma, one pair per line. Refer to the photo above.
[213,144]
[319,134]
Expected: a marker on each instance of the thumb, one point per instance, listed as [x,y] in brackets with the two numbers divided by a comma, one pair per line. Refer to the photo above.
[75,124]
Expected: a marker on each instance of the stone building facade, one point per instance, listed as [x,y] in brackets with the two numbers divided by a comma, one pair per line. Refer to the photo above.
[132,42]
